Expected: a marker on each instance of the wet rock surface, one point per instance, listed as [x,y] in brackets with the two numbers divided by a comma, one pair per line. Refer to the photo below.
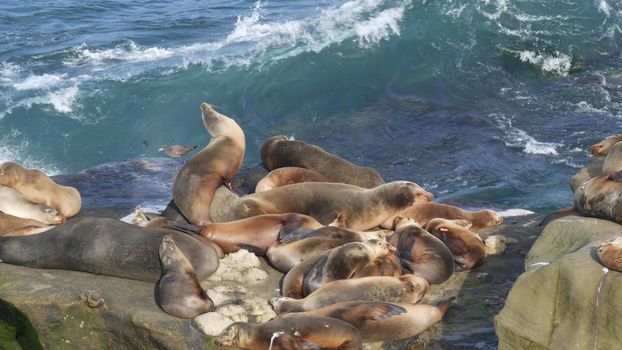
[57,302]
[566,299]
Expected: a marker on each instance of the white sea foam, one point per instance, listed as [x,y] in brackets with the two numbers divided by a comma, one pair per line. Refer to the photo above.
[603,7]
[63,100]
[567,161]
[18,152]
[558,63]
[44,81]
[515,137]
[501,6]
[514,212]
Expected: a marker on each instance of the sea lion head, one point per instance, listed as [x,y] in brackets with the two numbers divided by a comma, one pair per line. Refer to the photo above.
[416,285]
[235,335]
[170,255]
[217,124]
[403,221]
[495,218]
[403,194]
[378,247]
[9,173]
[52,216]
[602,148]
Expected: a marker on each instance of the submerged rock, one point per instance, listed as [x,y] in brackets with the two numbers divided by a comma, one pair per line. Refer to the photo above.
[566,299]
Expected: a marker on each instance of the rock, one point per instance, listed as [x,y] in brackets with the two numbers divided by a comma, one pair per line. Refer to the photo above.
[211,323]
[496,244]
[566,299]
[241,266]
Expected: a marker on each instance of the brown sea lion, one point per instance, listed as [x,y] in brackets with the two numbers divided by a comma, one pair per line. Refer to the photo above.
[364,208]
[178,292]
[610,254]
[424,212]
[14,203]
[467,247]
[104,246]
[279,151]
[259,231]
[613,161]
[601,197]
[37,187]
[339,263]
[198,180]
[602,148]
[404,289]
[421,253]
[289,252]
[388,265]
[592,169]
[286,176]
[15,226]
[293,333]
[176,151]
[382,321]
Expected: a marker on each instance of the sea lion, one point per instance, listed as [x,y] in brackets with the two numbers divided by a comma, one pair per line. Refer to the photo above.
[285,255]
[339,263]
[293,333]
[196,183]
[279,151]
[610,254]
[424,212]
[178,292]
[601,197]
[602,148]
[259,231]
[388,265]
[176,151]
[15,226]
[37,187]
[287,176]
[613,161]
[421,253]
[14,203]
[105,246]
[467,247]
[364,208]
[382,321]
[404,289]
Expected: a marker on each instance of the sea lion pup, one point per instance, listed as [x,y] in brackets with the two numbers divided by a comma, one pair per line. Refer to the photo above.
[601,197]
[610,254]
[287,176]
[105,246]
[218,162]
[37,187]
[382,321]
[291,251]
[468,249]
[404,289]
[364,208]
[15,226]
[424,212]
[293,333]
[613,161]
[279,151]
[602,148]
[14,203]
[421,253]
[176,151]
[178,291]
[339,263]
[260,231]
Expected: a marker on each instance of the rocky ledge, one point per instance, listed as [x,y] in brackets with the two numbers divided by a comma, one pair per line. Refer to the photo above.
[566,299]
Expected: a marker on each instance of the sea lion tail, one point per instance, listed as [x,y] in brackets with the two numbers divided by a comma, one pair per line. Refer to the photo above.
[186,228]
[443,305]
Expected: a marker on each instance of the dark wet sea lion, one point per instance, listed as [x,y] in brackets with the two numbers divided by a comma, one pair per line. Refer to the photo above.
[339,263]
[37,187]
[468,249]
[610,254]
[421,253]
[601,197]
[15,204]
[279,151]
[105,246]
[382,321]
[286,176]
[196,183]
[404,289]
[293,333]
[424,212]
[364,208]
[178,292]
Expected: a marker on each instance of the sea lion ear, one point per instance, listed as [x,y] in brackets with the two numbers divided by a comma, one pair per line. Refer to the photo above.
[616,177]
[464,223]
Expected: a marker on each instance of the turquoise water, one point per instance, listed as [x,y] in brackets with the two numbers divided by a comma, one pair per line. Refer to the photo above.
[486,100]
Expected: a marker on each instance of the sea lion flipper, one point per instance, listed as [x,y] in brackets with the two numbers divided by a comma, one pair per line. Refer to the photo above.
[186,228]
[287,235]
[376,311]
[253,249]
[294,342]
[616,177]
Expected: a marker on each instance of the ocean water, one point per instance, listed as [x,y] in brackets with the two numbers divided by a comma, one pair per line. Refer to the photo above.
[484,100]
